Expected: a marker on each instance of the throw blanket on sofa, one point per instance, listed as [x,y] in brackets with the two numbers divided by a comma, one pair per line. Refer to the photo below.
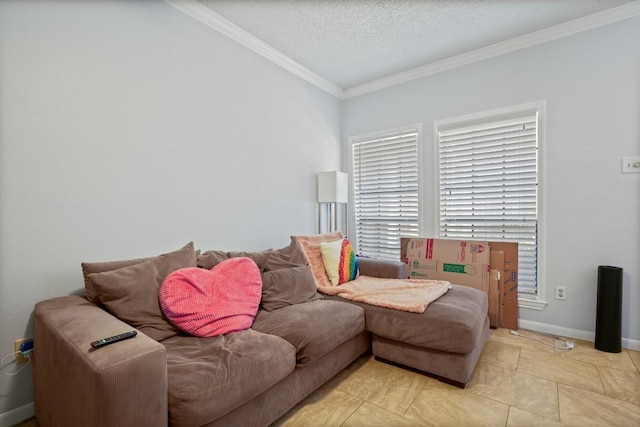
[401,294]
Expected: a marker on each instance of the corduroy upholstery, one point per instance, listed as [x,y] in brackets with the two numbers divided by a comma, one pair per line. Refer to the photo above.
[127,383]
[337,323]
[208,377]
[123,384]
[248,379]
[452,323]
[445,341]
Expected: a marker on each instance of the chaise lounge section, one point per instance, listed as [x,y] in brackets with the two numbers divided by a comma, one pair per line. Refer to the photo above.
[445,341]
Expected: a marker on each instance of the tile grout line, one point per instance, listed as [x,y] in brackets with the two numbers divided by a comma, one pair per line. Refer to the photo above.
[601,381]
[363,401]
[506,422]
[415,397]
[354,411]
[634,363]
[510,405]
[536,375]
[521,373]
[605,389]
[558,404]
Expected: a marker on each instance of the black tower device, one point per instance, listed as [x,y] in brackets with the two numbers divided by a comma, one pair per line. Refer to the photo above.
[609,309]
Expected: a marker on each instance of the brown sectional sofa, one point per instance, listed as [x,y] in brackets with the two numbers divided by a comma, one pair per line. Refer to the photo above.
[247,378]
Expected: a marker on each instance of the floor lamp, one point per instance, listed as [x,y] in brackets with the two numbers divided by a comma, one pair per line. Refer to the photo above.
[333,190]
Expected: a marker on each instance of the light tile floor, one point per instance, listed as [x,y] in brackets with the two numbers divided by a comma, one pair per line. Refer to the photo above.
[517,382]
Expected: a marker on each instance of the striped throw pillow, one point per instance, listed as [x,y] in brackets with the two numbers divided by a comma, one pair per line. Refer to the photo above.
[339,261]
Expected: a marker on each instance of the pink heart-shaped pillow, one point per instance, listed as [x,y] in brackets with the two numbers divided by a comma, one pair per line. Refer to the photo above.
[206,303]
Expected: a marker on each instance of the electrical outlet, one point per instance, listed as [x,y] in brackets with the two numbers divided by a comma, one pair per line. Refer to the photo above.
[561,292]
[16,345]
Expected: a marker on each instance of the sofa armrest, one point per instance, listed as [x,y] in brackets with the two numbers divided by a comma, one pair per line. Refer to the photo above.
[124,383]
[382,268]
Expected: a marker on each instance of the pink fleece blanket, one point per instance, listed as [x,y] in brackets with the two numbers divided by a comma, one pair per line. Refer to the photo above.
[401,294]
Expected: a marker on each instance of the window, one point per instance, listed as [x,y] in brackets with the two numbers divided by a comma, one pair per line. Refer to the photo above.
[385,183]
[489,183]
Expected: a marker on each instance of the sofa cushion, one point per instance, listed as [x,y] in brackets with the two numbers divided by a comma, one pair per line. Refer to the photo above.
[310,246]
[131,293]
[286,283]
[209,377]
[385,269]
[286,257]
[289,253]
[210,259]
[313,328]
[452,323]
[206,303]
[186,253]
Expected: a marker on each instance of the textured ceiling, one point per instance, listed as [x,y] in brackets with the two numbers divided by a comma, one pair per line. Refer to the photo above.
[352,42]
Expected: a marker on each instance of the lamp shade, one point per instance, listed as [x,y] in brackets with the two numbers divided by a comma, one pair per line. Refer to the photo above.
[333,187]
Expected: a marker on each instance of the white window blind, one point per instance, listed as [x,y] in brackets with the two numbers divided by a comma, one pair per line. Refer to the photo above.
[385,179]
[488,173]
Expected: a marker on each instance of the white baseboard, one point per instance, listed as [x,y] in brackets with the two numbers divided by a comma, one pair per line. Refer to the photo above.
[572,333]
[17,415]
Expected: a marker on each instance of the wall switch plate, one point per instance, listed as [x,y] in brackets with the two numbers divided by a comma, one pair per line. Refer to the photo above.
[631,164]
[561,292]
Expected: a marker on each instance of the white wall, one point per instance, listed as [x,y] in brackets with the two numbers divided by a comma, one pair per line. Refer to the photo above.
[591,82]
[128,129]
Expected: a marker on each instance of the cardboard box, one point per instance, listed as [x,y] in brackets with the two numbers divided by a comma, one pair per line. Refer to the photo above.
[497,264]
[422,269]
[508,283]
[469,274]
[494,298]
[497,260]
[464,251]
[455,260]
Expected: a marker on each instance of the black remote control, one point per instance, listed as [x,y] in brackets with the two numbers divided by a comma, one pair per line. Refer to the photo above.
[115,338]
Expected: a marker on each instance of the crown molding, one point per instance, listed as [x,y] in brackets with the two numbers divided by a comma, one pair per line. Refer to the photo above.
[229,29]
[234,32]
[556,32]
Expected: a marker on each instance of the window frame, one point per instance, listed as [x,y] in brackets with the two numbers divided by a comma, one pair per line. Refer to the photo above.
[418,128]
[539,302]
